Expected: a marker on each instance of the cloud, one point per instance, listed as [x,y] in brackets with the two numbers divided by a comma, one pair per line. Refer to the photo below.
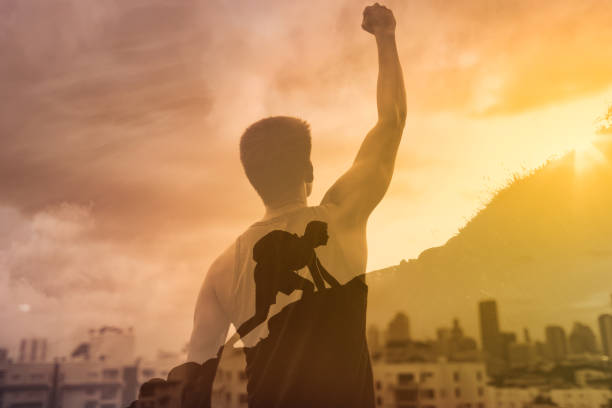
[129,107]
[56,279]
[49,258]
[119,124]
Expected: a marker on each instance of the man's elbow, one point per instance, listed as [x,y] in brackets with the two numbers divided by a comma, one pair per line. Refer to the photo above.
[401,113]
[394,120]
[401,116]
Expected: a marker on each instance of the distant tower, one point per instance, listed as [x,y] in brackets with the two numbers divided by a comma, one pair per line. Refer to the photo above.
[456,331]
[556,342]
[605,331]
[526,335]
[489,328]
[582,339]
[33,350]
[398,328]
[507,340]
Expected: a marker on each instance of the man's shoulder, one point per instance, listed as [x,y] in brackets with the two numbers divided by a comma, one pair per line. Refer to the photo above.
[221,267]
[220,276]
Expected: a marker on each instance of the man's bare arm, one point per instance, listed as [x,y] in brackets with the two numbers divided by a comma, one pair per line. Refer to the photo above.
[362,187]
[210,323]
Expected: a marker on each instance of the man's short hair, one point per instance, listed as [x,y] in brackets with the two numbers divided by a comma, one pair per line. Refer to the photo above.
[275,153]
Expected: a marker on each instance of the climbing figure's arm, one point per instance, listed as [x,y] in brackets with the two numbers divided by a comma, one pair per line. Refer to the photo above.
[315,273]
[265,295]
[326,275]
[361,188]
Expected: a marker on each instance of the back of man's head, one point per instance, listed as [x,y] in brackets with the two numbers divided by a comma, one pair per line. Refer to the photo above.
[275,153]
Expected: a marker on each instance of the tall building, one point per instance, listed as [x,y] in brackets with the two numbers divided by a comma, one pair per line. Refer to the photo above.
[508,340]
[398,329]
[522,355]
[490,335]
[33,350]
[454,345]
[456,331]
[582,339]
[605,331]
[556,343]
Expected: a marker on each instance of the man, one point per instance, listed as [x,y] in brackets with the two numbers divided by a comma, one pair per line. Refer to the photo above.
[275,153]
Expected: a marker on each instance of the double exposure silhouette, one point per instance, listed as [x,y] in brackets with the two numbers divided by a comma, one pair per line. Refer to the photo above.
[278,255]
[312,352]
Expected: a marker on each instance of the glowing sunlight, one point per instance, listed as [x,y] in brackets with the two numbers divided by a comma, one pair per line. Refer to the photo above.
[587,155]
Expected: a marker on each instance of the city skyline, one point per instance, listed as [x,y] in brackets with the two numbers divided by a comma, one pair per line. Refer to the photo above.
[399,323]
[400,376]
[538,336]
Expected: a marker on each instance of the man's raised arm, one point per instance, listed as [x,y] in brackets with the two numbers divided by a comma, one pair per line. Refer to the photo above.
[362,187]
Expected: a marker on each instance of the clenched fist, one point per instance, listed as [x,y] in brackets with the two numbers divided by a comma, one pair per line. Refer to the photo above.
[378,19]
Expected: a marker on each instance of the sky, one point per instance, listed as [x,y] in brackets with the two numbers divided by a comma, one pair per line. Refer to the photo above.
[120,180]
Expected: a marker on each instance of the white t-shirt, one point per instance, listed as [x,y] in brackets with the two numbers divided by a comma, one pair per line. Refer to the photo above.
[243,290]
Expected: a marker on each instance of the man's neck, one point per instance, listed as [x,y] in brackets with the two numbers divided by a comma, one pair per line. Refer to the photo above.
[284,207]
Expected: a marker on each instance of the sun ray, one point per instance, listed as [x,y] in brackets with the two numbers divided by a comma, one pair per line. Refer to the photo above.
[587,155]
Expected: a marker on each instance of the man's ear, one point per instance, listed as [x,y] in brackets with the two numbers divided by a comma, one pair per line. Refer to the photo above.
[309,176]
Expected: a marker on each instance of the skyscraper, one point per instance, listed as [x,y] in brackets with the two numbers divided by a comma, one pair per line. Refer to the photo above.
[32,350]
[507,340]
[582,339]
[556,342]
[398,328]
[489,328]
[605,331]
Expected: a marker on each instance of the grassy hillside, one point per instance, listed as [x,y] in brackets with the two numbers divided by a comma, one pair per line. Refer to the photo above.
[542,248]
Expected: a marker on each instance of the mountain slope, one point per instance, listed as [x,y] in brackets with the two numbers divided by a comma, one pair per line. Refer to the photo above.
[542,248]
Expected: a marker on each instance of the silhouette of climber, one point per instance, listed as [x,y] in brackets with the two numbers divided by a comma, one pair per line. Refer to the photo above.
[279,254]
